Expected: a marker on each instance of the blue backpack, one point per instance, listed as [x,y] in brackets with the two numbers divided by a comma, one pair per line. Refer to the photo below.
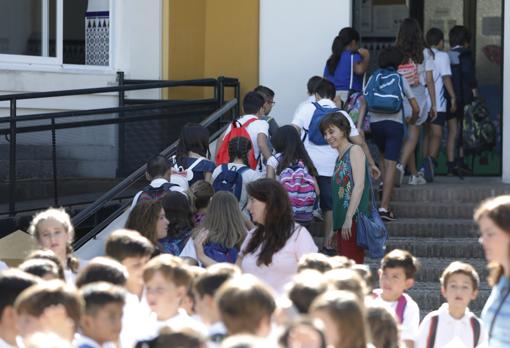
[313,132]
[384,92]
[230,180]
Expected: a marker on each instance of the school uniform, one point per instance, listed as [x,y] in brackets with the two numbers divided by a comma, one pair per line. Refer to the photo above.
[135,321]
[178,321]
[82,341]
[155,184]
[441,68]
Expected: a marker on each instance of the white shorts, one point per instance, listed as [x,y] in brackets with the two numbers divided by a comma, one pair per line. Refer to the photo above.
[422,98]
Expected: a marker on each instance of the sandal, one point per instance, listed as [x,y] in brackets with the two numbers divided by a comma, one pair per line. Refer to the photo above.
[387,215]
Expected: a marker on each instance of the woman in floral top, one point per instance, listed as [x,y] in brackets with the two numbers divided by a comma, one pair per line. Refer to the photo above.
[349,185]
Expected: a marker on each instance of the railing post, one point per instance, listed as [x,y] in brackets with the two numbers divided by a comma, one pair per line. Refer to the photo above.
[54,161]
[237,95]
[221,91]
[120,81]
[12,158]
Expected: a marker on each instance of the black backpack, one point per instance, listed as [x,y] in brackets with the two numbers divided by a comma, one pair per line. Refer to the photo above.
[230,180]
[479,132]
[154,193]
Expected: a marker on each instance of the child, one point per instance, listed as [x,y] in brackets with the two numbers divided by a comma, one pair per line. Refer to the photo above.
[465,87]
[45,269]
[343,317]
[47,255]
[192,157]
[453,324]
[246,306]
[396,275]
[442,80]
[349,280]
[302,332]
[384,328]
[314,261]
[102,269]
[180,223]
[101,321]
[159,175]
[50,306]
[167,280]
[388,130]
[12,283]
[53,230]
[268,95]
[201,191]
[238,149]
[305,287]
[149,218]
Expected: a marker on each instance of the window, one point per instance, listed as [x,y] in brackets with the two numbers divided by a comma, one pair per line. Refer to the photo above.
[56,32]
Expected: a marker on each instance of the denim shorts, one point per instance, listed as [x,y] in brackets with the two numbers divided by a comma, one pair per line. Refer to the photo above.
[388,136]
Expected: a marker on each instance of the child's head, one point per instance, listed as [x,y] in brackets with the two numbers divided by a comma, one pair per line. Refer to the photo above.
[246,305]
[268,95]
[47,255]
[42,268]
[286,141]
[333,122]
[202,191]
[435,38]
[183,338]
[343,317]
[315,261]
[311,86]
[133,251]
[194,138]
[325,89]
[459,284]
[397,272]
[348,280]
[49,306]
[238,148]
[158,167]
[224,220]
[253,104]
[390,58]
[188,302]
[340,262]
[53,230]
[178,212]
[302,332]
[305,287]
[102,269]
[383,327]
[459,36]
[366,274]
[149,218]
[102,318]
[410,40]
[347,38]
[167,280]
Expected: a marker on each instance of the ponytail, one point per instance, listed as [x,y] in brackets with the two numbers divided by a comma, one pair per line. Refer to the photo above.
[239,147]
[344,38]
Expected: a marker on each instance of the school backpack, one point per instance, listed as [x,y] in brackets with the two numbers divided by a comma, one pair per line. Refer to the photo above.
[353,107]
[401,304]
[237,130]
[479,132]
[383,92]
[230,180]
[313,132]
[300,186]
[409,71]
[434,320]
[154,193]
[180,172]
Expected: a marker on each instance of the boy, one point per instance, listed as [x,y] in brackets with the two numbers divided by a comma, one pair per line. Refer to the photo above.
[101,321]
[158,173]
[246,306]
[396,275]
[305,287]
[205,287]
[133,251]
[167,280]
[453,323]
[50,306]
[102,269]
[324,156]
[12,283]
[315,261]
[442,78]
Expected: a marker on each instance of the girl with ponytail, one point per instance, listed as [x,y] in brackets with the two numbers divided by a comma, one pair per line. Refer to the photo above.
[347,63]
[53,230]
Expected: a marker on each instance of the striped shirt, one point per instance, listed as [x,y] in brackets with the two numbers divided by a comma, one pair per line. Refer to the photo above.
[501,324]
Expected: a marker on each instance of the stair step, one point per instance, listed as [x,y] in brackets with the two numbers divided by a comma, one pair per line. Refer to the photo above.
[458,248]
[437,228]
[434,210]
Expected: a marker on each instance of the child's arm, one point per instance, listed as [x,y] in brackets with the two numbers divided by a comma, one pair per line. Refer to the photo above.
[447,80]
[362,113]
[270,172]
[415,111]
[362,66]
[264,149]
[208,177]
[431,87]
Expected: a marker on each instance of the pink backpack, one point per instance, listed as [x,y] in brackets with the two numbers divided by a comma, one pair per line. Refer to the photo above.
[410,72]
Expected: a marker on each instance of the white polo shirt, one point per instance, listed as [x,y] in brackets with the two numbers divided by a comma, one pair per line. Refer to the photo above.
[323,156]
[254,129]
[441,68]
[158,183]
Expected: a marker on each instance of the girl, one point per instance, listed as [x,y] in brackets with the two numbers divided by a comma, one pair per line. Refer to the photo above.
[383,327]
[272,249]
[349,184]
[221,234]
[417,68]
[201,192]
[238,149]
[53,230]
[192,157]
[343,317]
[148,218]
[180,223]
[493,218]
[347,64]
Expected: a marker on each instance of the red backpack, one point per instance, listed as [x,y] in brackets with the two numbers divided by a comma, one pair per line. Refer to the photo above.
[237,130]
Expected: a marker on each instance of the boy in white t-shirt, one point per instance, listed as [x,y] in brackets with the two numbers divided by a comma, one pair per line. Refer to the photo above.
[396,275]
[443,83]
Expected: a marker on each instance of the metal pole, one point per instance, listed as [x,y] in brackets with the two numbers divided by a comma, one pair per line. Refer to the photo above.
[120,80]
[12,159]
[54,160]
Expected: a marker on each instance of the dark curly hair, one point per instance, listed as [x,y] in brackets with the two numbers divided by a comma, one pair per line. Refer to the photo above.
[410,40]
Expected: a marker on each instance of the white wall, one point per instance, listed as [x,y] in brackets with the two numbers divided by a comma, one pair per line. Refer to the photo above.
[295,42]
[506,99]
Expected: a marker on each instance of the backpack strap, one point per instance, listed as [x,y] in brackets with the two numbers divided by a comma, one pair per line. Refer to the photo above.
[242,169]
[250,121]
[401,303]
[195,163]
[431,338]
[475,325]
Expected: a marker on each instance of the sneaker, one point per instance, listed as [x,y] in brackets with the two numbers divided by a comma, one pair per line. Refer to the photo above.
[386,215]
[417,179]
[399,175]
[428,169]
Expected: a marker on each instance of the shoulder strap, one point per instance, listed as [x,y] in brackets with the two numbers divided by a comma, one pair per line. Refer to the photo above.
[242,169]
[167,186]
[352,71]
[401,305]
[194,164]
[431,339]
[475,325]
[250,121]
[224,168]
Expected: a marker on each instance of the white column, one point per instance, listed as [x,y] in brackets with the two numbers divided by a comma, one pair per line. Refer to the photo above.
[506,99]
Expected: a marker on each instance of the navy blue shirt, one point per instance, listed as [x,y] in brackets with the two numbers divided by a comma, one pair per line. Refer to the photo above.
[205,166]
[342,74]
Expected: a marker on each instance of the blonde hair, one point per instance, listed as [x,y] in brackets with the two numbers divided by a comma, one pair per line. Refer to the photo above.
[224,221]
[59,215]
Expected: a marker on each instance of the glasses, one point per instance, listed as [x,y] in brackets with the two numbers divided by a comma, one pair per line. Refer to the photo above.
[271,102]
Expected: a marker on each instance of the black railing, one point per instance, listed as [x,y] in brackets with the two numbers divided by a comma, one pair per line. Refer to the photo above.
[127,112]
